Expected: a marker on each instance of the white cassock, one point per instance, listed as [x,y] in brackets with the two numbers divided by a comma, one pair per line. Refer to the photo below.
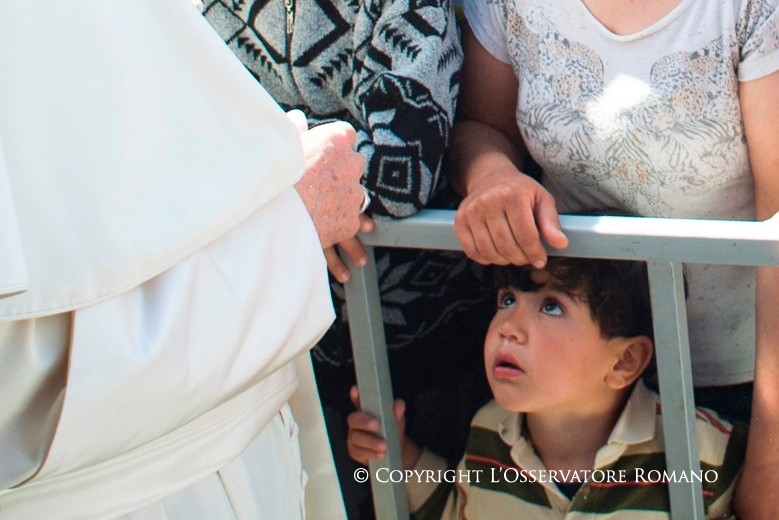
[160,279]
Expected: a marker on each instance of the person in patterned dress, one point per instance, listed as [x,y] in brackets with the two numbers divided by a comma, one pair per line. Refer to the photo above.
[391,69]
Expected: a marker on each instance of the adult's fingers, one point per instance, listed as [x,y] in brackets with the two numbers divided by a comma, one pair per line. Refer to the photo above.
[354,168]
[505,224]
[353,248]
[473,235]
[486,242]
[549,224]
[366,223]
[483,231]
[343,211]
[336,267]
[525,235]
[341,131]
[502,232]
[465,237]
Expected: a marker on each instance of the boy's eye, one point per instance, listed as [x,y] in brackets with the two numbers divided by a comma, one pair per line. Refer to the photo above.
[505,299]
[552,307]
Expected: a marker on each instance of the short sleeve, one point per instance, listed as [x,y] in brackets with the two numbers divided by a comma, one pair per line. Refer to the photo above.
[486,20]
[758,34]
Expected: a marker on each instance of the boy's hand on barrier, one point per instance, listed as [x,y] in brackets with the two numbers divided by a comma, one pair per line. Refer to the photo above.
[363,440]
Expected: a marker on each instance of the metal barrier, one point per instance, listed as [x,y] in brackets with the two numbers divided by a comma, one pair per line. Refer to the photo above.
[663,243]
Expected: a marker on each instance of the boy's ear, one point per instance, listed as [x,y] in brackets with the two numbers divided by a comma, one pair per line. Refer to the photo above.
[634,355]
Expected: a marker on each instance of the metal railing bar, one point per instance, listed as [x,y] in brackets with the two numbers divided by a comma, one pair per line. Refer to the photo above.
[674,372]
[629,238]
[664,243]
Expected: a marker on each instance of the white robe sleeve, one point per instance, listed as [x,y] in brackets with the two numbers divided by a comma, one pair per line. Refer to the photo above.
[132,137]
[148,218]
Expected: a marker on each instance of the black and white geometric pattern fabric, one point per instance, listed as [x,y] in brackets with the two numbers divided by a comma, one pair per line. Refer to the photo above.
[391,69]
[388,67]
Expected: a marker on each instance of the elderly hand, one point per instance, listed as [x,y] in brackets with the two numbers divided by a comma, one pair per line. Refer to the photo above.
[330,187]
[503,219]
[351,247]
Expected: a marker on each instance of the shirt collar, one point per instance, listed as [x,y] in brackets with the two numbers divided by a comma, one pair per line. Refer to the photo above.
[636,423]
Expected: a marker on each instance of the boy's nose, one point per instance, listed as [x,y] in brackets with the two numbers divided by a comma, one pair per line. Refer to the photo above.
[514,327]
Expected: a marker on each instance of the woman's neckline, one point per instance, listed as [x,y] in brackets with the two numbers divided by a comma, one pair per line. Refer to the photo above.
[653,21]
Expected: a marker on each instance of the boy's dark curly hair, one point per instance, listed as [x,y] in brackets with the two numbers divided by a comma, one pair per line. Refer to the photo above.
[617,291]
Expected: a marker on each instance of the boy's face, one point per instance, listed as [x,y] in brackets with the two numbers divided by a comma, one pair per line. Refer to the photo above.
[544,352]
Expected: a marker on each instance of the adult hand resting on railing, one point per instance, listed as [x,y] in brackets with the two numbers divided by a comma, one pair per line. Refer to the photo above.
[609,126]
[352,247]
[505,214]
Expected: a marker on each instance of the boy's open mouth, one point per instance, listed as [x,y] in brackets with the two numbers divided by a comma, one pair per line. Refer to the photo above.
[506,366]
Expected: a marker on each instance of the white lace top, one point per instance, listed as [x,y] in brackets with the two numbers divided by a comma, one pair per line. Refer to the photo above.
[649,123]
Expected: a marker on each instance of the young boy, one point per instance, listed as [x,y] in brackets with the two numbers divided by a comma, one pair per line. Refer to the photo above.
[572,431]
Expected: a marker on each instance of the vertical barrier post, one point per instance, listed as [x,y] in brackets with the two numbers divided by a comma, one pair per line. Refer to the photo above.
[672,351]
[373,379]
[664,243]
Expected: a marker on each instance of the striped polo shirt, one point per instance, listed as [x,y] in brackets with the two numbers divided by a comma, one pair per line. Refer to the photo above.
[502,477]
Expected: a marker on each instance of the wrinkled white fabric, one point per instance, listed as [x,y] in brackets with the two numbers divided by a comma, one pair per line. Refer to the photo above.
[132,138]
[165,383]
[13,269]
[160,278]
